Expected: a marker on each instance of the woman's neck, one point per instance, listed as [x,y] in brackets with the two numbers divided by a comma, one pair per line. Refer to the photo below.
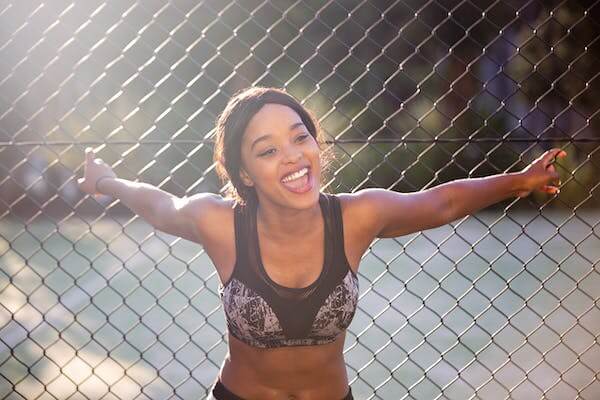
[281,223]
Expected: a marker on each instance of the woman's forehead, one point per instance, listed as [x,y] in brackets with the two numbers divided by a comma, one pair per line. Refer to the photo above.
[271,118]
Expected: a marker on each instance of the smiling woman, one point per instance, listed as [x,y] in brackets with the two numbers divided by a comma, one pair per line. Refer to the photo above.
[283,162]
[251,131]
[287,254]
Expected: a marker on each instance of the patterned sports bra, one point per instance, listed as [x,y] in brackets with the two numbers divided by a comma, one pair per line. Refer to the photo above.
[262,313]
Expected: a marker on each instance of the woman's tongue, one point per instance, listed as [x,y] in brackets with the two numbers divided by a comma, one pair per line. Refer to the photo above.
[296,184]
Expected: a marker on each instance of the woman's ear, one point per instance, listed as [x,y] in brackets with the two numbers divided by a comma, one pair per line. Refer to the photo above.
[245,178]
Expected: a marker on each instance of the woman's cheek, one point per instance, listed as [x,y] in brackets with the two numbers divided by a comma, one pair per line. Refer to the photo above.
[268,169]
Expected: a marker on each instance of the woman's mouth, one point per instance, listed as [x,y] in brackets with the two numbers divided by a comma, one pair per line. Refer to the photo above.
[300,181]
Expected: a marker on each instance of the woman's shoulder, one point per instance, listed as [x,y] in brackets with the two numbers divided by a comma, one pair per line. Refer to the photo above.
[359,226]
[208,205]
[357,204]
[212,215]
[357,208]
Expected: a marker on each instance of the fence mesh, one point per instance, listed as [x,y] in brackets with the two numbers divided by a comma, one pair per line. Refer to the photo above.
[95,303]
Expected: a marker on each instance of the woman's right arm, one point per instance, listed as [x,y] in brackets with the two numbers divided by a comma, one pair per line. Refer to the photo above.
[185,217]
[182,217]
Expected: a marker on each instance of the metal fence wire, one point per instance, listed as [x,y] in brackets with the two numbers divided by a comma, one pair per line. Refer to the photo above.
[96,304]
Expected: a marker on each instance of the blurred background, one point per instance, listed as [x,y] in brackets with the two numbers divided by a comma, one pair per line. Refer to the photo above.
[94,303]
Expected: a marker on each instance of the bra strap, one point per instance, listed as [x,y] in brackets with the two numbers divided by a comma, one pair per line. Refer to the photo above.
[240,226]
[337,226]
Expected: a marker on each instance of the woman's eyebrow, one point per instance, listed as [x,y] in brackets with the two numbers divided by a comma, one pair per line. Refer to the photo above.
[296,125]
[268,135]
[260,138]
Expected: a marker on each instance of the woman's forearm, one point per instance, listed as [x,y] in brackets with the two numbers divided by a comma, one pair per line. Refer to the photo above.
[141,198]
[467,196]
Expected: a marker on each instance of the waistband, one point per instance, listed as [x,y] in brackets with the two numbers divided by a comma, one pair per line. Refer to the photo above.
[220,392]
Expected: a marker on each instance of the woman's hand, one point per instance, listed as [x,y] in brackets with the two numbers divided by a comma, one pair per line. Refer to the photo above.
[541,174]
[93,171]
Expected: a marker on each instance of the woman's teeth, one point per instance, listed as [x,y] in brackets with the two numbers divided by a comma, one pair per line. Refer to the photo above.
[295,175]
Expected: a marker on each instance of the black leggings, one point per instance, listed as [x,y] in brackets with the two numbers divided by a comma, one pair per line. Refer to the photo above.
[220,392]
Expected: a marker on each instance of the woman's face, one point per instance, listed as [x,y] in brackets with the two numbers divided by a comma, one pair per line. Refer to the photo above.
[280,158]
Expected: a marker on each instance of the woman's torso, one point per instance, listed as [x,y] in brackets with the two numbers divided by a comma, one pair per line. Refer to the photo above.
[301,372]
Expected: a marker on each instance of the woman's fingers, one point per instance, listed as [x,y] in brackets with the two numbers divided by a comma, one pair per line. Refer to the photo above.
[89,154]
[551,156]
[550,189]
[554,175]
[90,157]
[553,180]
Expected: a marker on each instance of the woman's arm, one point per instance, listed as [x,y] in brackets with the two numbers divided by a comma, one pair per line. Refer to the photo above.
[183,217]
[392,214]
[141,198]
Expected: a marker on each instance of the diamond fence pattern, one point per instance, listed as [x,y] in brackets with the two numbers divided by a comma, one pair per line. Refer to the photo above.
[95,303]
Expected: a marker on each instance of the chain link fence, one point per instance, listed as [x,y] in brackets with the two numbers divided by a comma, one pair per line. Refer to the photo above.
[94,303]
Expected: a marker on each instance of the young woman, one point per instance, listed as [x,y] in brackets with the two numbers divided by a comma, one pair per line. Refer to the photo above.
[287,254]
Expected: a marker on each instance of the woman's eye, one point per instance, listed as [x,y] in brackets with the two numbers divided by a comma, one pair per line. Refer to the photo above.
[266,153]
[302,137]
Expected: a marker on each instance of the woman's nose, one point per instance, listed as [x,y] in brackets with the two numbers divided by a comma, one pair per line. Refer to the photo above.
[292,155]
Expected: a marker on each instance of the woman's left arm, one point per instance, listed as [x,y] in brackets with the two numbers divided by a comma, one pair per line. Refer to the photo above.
[467,196]
[392,214]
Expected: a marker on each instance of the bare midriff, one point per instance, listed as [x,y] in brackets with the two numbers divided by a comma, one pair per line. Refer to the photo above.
[286,373]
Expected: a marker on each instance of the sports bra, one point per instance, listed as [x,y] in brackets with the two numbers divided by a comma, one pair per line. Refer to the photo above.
[262,313]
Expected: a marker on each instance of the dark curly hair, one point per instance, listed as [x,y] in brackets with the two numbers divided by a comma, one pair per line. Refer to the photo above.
[231,126]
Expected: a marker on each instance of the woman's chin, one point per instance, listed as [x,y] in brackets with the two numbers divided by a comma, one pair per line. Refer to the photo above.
[297,196]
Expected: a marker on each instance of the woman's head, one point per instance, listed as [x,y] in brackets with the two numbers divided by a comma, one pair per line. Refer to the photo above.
[264,134]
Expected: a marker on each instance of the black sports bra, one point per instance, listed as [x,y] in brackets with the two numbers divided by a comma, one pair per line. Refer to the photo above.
[262,313]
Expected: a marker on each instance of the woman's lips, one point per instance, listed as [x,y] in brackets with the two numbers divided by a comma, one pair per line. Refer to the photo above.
[295,174]
[300,185]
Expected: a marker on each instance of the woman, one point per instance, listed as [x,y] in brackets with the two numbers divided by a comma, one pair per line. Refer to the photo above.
[287,255]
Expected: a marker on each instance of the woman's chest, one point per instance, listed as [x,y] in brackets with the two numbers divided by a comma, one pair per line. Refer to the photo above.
[294,264]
